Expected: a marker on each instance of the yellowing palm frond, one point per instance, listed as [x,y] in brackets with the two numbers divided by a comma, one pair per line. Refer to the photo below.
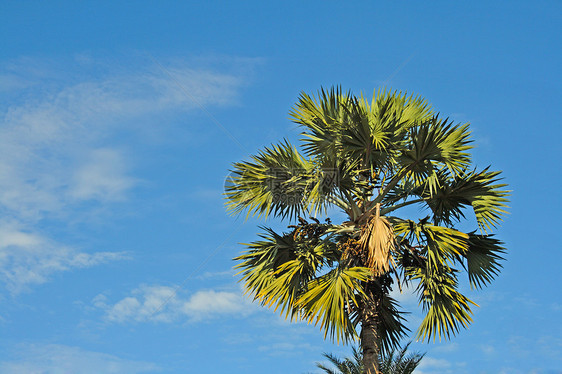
[479,190]
[447,310]
[434,144]
[274,182]
[323,120]
[330,300]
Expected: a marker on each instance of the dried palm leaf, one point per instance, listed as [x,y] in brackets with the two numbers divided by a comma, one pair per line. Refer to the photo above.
[377,241]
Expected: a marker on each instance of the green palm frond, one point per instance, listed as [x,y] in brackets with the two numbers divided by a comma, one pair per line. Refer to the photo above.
[282,182]
[398,362]
[447,310]
[348,365]
[331,183]
[434,144]
[444,245]
[366,139]
[276,270]
[331,301]
[478,190]
[489,202]
[391,328]
[323,120]
[260,263]
[339,125]
[273,182]
[401,192]
[439,243]
[483,259]
[439,248]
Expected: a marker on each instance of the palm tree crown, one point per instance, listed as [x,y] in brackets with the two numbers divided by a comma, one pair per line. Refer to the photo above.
[369,160]
[394,362]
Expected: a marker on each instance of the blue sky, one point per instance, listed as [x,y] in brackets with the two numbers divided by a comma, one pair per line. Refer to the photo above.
[119,123]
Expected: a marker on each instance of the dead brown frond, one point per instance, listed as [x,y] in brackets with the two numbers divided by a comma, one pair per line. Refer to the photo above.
[377,241]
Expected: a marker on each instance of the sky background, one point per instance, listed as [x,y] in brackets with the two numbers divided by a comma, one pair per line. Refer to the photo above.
[119,122]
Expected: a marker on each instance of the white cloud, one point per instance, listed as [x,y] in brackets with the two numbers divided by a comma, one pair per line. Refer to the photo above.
[43,138]
[157,303]
[286,348]
[208,303]
[102,177]
[169,304]
[447,348]
[217,274]
[62,127]
[431,365]
[57,359]
[408,297]
[488,349]
[10,82]
[27,258]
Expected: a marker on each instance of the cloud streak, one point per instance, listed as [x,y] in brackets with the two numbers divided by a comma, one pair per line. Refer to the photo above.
[50,149]
[61,153]
[165,304]
[28,259]
[54,358]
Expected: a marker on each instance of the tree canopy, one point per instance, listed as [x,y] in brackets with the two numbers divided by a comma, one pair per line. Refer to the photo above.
[369,159]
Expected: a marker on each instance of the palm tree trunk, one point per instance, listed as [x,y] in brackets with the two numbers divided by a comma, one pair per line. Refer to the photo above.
[370,343]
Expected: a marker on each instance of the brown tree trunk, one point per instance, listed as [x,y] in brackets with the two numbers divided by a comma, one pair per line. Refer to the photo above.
[370,343]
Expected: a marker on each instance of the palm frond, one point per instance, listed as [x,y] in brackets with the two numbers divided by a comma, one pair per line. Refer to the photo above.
[444,245]
[330,181]
[439,244]
[348,365]
[330,300]
[483,259]
[342,126]
[366,138]
[260,263]
[273,182]
[398,362]
[488,201]
[447,310]
[478,190]
[276,270]
[322,120]
[391,328]
[434,144]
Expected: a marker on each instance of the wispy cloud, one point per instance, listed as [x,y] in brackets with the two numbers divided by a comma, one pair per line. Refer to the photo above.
[488,349]
[406,296]
[286,348]
[67,137]
[434,365]
[50,142]
[168,304]
[28,259]
[102,176]
[54,358]
[447,347]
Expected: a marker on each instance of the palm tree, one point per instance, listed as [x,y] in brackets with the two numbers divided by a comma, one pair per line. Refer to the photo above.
[395,362]
[369,161]
[353,365]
